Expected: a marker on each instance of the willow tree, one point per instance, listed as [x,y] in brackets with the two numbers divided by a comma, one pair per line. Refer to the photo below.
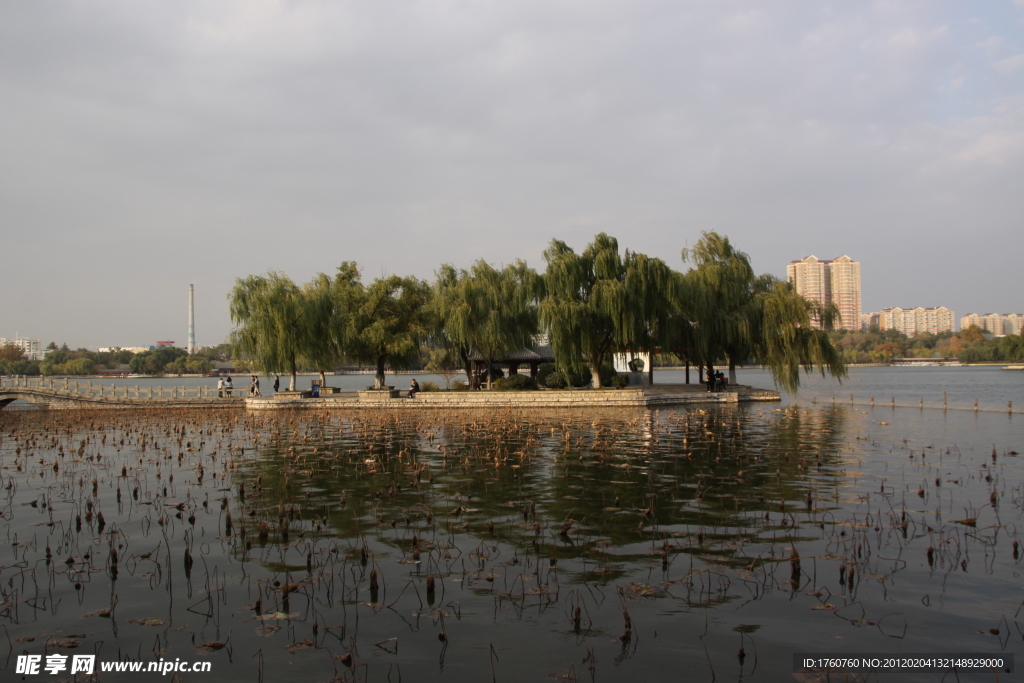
[492,311]
[739,316]
[386,323]
[452,312]
[788,339]
[723,303]
[268,311]
[601,302]
[328,309]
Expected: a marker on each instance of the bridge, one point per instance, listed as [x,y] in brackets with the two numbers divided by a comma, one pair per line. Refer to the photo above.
[48,392]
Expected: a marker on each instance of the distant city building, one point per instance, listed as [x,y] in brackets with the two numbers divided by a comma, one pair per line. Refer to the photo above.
[868,320]
[911,321]
[999,324]
[133,349]
[164,344]
[32,349]
[830,282]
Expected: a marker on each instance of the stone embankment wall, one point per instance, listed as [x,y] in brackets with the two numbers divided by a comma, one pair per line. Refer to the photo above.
[640,397]
[632,397]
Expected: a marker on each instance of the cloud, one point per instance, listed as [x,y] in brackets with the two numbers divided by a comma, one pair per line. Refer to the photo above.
[228,137]
[1010,65]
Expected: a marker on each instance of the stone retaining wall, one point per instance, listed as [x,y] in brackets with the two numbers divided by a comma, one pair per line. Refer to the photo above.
[612,398]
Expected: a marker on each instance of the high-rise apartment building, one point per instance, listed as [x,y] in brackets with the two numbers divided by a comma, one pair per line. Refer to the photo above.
[911,321]
[998,324]
[830,282]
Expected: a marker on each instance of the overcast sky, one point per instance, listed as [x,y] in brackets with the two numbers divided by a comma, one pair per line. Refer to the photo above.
[146,145]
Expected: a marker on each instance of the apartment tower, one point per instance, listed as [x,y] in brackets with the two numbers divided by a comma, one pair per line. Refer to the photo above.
[830,282]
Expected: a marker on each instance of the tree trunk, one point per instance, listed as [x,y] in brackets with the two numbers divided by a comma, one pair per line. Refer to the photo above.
[323,380]
[595,369]
[378,380]
[732,370]
[490,371]
[687,369]
[468,365]
[295,376]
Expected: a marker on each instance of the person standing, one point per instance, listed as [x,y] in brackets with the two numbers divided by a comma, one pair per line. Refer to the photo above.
[220,387]
[710,378]
[228,386]
[277,383]
[255,389]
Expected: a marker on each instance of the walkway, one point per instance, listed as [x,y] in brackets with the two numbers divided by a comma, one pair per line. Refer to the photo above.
[63,393]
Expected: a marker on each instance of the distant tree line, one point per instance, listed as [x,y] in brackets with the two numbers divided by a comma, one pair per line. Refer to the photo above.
[64,361]
[968,346]
[591,304]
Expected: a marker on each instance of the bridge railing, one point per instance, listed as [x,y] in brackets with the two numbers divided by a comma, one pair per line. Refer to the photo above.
[66,386]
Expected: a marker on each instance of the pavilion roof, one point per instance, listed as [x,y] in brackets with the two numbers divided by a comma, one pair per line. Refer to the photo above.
[525,354]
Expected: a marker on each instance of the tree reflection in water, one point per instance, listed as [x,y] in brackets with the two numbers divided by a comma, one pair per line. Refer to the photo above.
[446,544]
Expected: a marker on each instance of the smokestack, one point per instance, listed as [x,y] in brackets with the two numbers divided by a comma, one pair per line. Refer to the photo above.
[191,319]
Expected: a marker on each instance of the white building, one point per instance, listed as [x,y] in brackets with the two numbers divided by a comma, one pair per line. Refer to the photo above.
[911,321]
[32,349]
[999,324]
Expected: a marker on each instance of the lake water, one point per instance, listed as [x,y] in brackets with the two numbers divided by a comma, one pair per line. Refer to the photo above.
[587,546]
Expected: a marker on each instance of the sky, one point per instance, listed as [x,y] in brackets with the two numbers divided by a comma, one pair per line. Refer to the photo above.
[148,145]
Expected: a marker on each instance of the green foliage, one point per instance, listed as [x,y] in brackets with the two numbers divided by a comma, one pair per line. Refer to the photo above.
[1008,348]
[556,380]
[485,309]
[19,367]
[515,383]
[155,361]
[543,371]
[459,385]
[429,386]
[620,381]
[329,305]
[601,301]
[192,365]
[268,310]
[75,366]
[786,341]
[387,321]
[739,316]
[968,346]
[282,327]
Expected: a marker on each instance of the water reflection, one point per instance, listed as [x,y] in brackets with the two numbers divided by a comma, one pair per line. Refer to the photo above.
[511,544]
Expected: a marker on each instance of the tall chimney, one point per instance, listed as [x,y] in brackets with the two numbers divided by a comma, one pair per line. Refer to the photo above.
[191,319]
